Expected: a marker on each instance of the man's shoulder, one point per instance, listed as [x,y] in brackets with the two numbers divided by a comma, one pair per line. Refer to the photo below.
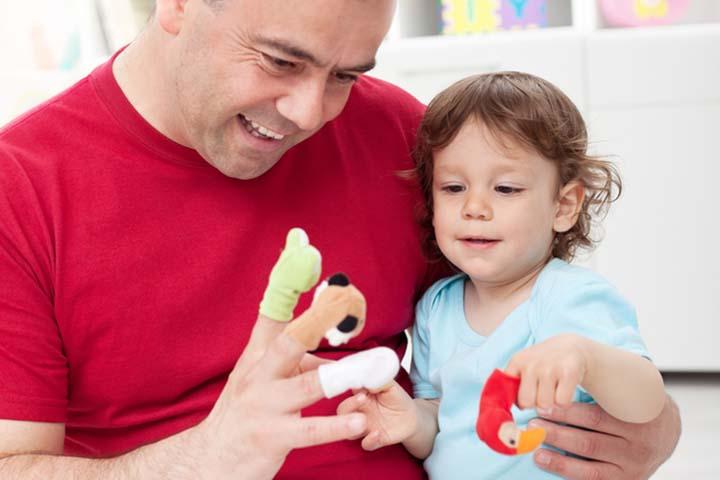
[71,103]
[380,98]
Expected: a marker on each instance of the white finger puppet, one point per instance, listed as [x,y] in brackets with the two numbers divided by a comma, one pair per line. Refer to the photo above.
[372,369]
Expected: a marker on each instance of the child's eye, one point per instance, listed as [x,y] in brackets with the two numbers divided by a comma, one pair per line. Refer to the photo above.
[453,188]
[507,190]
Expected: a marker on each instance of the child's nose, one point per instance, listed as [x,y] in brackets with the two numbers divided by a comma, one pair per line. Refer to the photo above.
[477,207]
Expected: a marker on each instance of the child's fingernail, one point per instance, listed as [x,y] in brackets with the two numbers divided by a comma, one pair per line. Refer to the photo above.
[544,411]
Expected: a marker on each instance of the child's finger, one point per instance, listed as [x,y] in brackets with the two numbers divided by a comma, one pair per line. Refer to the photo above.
[527,395]
[352,404]
[514,367]
[372,441]
[565,392]
[546,392]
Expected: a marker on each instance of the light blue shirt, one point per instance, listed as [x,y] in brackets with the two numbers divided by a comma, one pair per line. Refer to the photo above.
[451,361]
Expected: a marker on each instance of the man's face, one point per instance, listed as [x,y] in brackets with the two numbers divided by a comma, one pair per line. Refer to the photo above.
[257,77]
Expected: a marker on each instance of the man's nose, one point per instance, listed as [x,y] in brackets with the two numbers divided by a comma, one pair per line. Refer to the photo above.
[477,207]
[303,104]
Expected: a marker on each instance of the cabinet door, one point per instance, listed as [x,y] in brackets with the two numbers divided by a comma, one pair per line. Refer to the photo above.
[654,102]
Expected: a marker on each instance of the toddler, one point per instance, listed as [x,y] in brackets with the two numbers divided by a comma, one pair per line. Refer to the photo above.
[510,194]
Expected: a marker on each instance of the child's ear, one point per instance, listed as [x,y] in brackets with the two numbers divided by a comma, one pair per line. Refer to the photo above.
[170,15]
[569,203]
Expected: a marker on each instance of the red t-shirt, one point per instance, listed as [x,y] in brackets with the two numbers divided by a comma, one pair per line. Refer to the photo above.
[132,270]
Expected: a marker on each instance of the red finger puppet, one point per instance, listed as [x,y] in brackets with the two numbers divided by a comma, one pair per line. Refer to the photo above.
[495,425]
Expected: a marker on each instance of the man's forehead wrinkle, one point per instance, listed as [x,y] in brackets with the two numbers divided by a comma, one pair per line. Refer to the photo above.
[299,52]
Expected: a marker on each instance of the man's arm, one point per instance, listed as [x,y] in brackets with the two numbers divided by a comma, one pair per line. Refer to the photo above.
[166,459]
[613,449]
[254,424]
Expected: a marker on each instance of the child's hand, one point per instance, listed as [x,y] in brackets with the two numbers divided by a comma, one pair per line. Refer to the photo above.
[391,415]
[550,371]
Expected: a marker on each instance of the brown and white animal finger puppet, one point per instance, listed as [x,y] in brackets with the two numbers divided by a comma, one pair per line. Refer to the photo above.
[337,313]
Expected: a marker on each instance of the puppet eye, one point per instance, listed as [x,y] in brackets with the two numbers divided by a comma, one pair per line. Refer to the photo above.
[339,279]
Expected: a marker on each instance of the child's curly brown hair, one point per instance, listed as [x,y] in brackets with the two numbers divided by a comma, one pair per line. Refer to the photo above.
[533,113]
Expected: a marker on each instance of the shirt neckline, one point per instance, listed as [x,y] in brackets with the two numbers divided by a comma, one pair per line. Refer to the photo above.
[466,333]
[111,95]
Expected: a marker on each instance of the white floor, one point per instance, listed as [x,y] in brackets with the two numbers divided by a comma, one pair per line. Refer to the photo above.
[697,455]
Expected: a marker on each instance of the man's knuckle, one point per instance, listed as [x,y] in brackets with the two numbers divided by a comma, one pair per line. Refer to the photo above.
[595,418]
[311,432]
[643,453]
[307,385]
[594,473]
[587,447]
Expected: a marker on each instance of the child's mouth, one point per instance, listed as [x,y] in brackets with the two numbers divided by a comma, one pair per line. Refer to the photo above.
[480,242]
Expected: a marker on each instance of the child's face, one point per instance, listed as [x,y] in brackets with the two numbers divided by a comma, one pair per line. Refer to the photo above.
[494,206]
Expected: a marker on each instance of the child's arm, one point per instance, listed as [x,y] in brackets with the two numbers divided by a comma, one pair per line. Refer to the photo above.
[624,384]
[420,443]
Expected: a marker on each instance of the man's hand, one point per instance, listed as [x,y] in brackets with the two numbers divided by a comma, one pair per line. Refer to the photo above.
[615,450]
[256,421]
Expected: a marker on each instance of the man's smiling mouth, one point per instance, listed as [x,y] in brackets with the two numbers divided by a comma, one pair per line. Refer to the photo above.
[258,130]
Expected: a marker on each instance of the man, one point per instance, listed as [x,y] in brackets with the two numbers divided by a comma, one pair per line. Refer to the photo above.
[140,212]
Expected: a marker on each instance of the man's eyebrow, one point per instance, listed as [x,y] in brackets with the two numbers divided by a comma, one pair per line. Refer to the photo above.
[300,54]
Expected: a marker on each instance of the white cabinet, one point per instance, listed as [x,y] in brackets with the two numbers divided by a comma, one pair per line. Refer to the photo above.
[651,97]
[654,101]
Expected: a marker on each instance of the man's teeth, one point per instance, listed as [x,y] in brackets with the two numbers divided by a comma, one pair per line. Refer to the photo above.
[260,131]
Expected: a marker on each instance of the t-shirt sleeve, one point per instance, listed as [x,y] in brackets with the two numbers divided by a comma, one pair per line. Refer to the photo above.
[420,369]
[588,305]
[33,367]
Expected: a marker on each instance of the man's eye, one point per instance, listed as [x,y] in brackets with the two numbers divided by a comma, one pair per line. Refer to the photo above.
[507,190]
[453,188]
[345,77]
[279,63]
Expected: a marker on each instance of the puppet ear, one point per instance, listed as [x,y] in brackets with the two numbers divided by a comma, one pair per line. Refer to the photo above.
[339,279]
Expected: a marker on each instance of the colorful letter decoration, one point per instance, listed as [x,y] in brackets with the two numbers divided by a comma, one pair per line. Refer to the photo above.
[637,13]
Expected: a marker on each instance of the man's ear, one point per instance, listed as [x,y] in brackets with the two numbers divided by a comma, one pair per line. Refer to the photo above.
[569,203]
[170,15]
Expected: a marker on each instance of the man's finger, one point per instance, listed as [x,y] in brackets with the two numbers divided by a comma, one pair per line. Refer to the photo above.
[587,416]
[281,358]
[311,431]
[571,468]
[290,395]
[594,445]
[312,362]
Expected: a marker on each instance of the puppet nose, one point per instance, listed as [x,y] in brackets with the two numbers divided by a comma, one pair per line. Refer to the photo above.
[530,440]
[348,325]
